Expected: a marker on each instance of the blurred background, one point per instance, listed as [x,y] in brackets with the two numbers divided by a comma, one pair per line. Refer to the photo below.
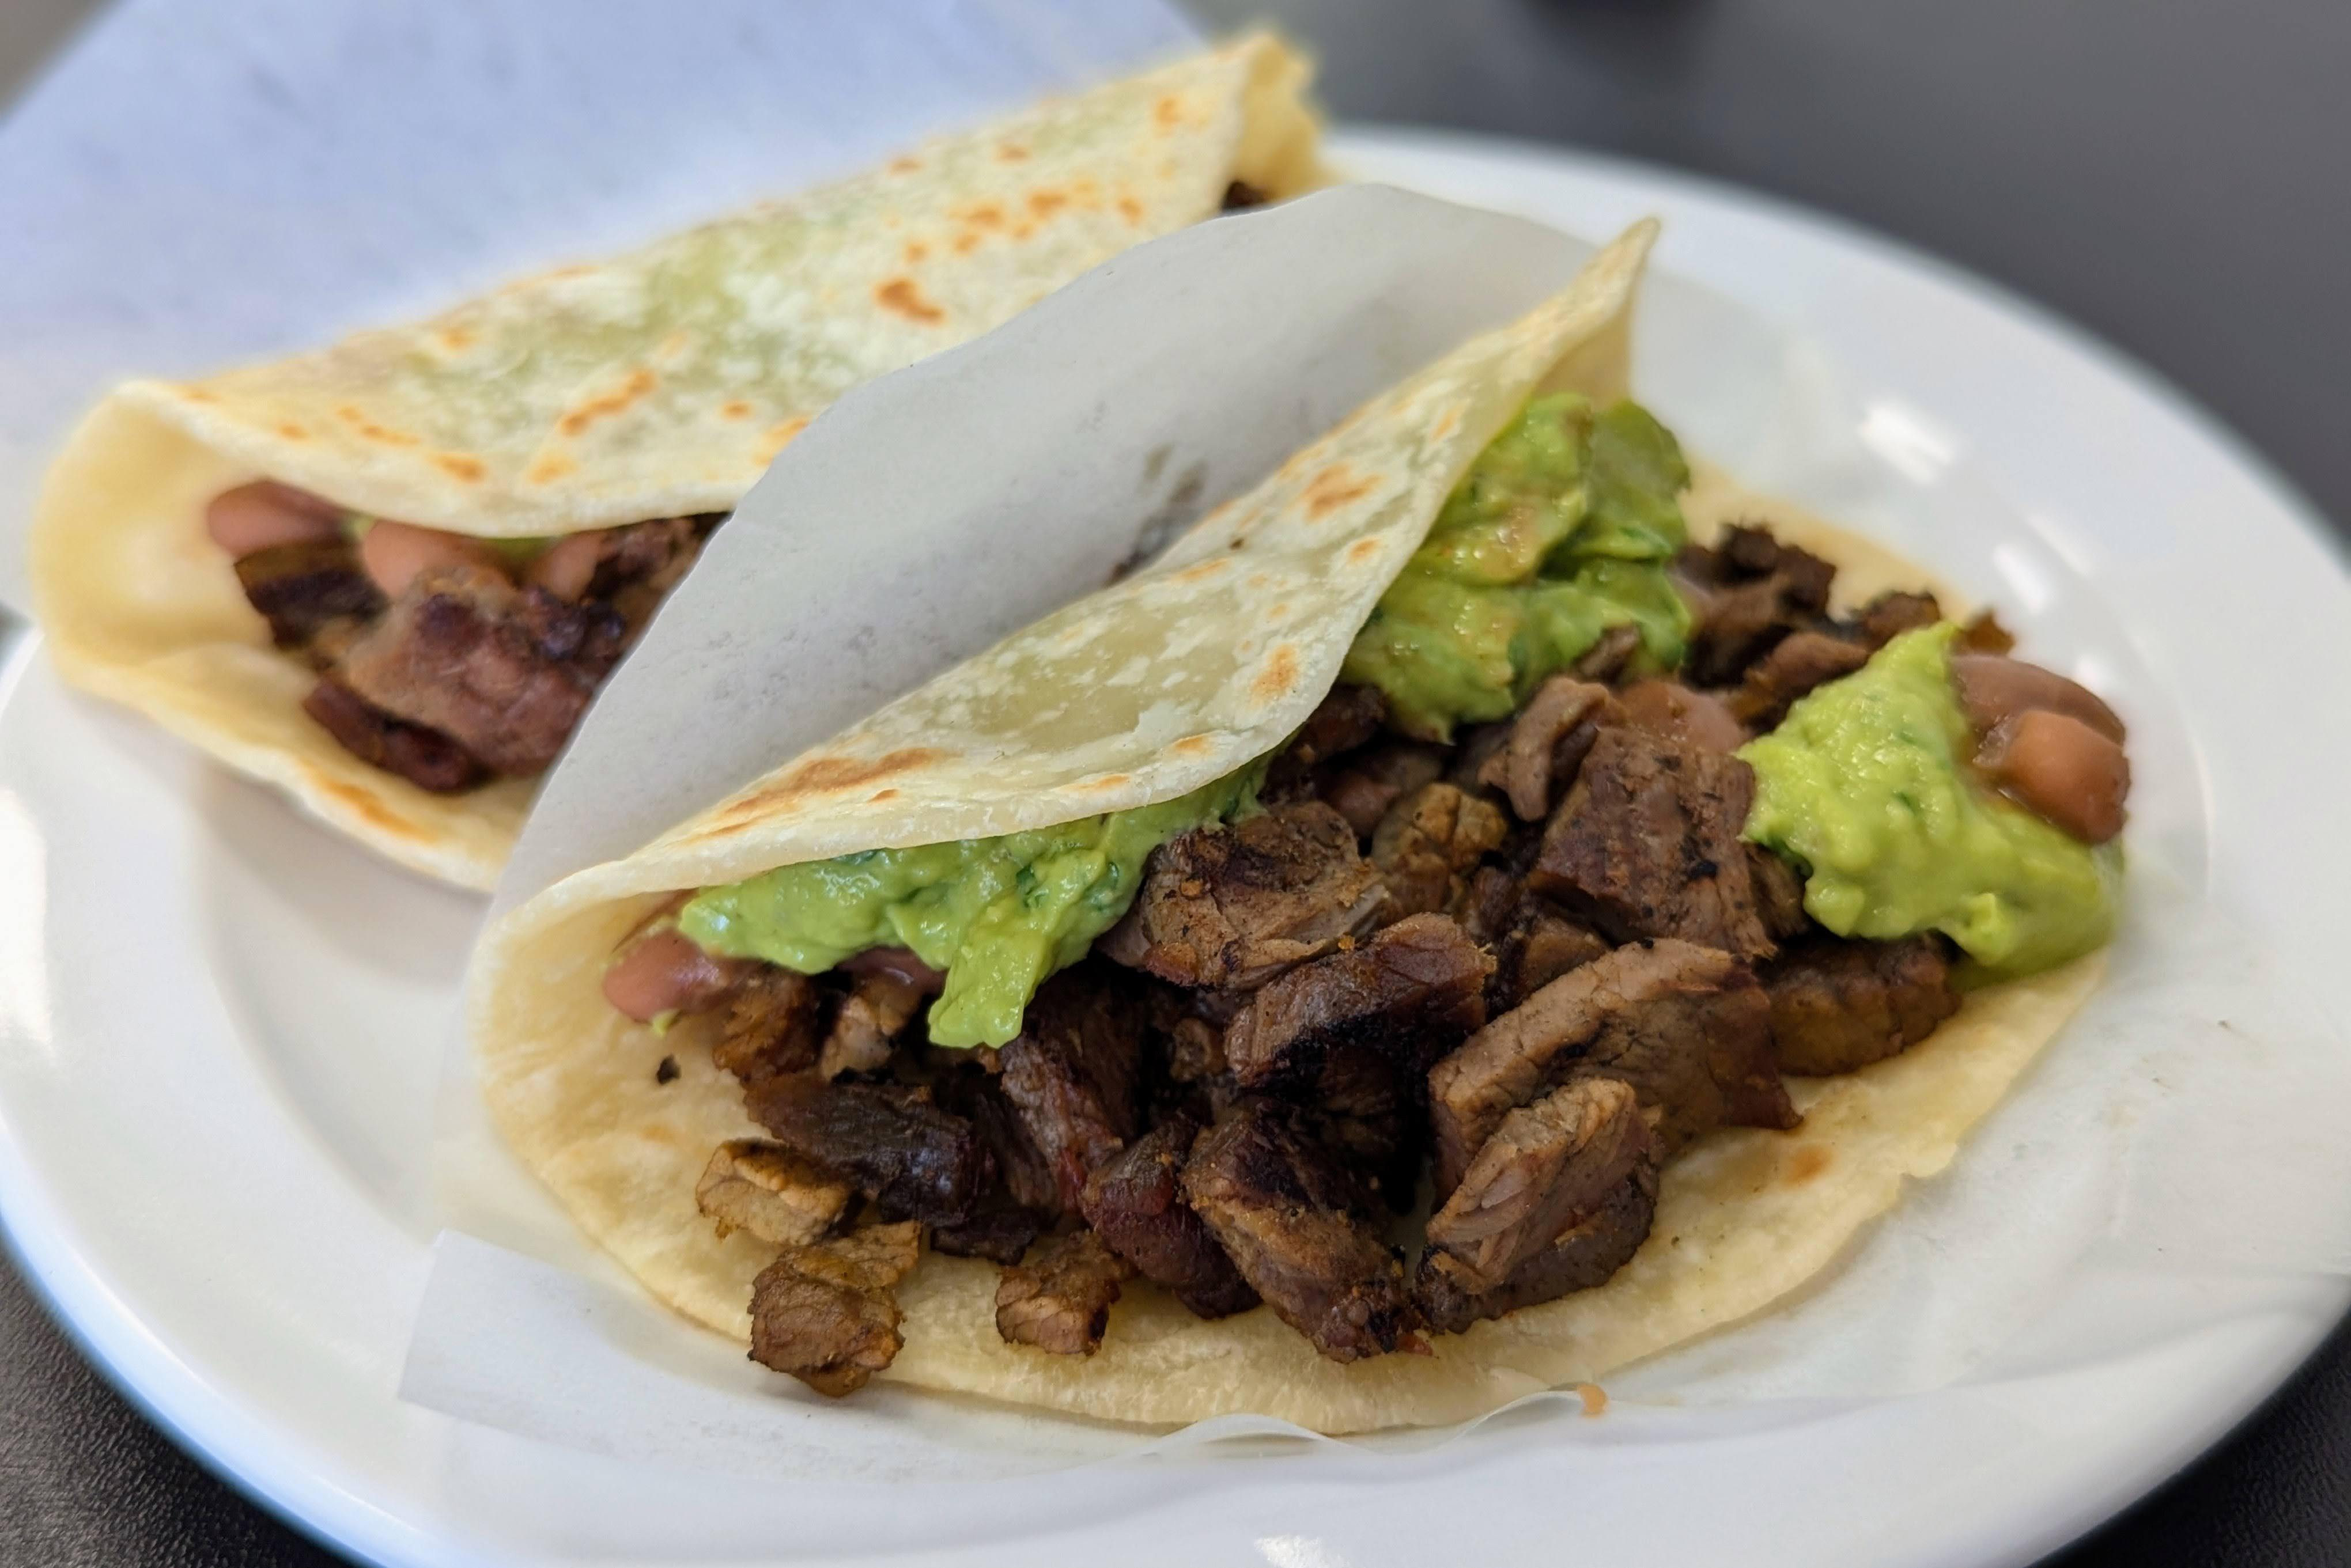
[2170,174]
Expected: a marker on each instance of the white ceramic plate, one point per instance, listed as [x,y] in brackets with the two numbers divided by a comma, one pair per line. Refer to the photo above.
[218,1029]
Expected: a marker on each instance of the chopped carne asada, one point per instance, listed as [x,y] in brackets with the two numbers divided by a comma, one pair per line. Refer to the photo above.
[1075,1073]
[442,663]
[1410,993]
[768,1190]
[1236,906]
[1534,964]
[1648,845]
[1547,1168]
[1687,1025]
[828,1314]
[902,1151]
[1839,1005]
[1135,1203]
[1290,1217]
[1060,1299]
[1428,842]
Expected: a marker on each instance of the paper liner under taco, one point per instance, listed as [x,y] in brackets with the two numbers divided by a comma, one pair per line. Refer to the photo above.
[1140,693]
[658,384]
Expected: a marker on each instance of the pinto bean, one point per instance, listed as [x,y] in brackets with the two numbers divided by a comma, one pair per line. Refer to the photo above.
[664,973]
[257,517]
[2062,770]
[395,554]
[1993,688]
[567,567]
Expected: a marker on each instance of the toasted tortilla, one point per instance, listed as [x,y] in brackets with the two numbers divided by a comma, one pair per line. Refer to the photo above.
[1240,631]
[658,384]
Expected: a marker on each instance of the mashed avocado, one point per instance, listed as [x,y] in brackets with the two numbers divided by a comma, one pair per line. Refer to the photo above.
[998,914]
[1561,528]
[1864,788]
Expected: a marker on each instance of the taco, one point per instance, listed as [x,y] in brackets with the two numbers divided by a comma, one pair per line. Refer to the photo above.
[1486,893]
[390,577]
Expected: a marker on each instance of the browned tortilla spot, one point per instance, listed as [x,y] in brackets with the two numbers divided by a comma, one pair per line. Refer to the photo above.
[197,395]
[733,409]
[367,806]
[1193,746]
[1363,551]
[823,775]
[1806,1163]
[1130,209]
[983,215]
[1333,488]
[904,297]
[904,165]
[457,339]
[1045,204]
[1168,112]
[1107,781]
[293,431]
[916,250]
[1201,572]
[965,243]
[1280,674]
[1011,152]
[1447,423]
[641,381]
[780,436]
[457,465]
[879,795]
[549,467]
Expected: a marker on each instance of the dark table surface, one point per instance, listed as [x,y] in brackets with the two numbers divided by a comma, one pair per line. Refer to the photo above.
[2174,175]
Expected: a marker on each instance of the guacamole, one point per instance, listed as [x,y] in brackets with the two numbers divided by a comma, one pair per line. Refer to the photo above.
[1864,788]
[998,914]
[1561,528]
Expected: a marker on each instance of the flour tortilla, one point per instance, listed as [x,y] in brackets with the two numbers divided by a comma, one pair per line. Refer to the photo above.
[1141,694]
[661,383]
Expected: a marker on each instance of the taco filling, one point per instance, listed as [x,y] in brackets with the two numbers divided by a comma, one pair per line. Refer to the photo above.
[1600,835]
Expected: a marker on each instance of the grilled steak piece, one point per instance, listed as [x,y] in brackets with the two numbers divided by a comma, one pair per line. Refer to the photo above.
[1236,906]
[1778,895]
[642,562]
[1428,842]
[1538,946]
[1060,1300]
[1745,595]
[1025,1178]
[828,1314]
[1134,1202]
[1372,1112]
[1377,778]
[772,1026]
[300,588]
[913,1159]
[1838,1005]
[1673,712]
[1347,719]
[1547,742]
[425,758]
[1410,993]
[879,1003]
[1190,1027]
[1646,845]
[1075,1073]
[1281,1205]
[506,672]
[1889,615]
[1604,660]
[1774,683]
[1000,1232]
[1577,1260]
[766,1189]
[1687,1026]
[1548,1167]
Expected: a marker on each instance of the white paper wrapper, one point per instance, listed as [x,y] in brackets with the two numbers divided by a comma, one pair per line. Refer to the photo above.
[2176,1150]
